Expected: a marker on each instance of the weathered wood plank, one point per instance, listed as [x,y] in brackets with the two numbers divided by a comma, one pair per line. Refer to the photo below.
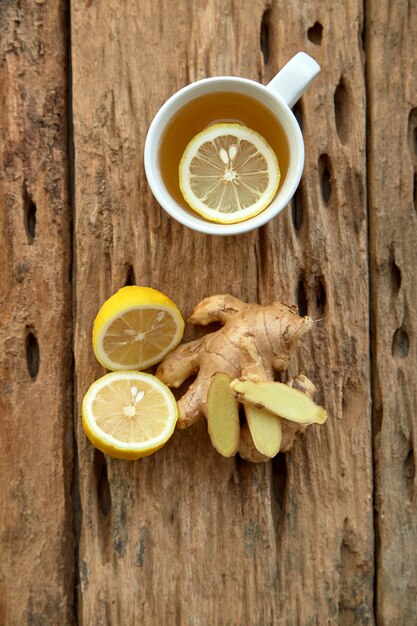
[392,151]
[36,571]
[186,537]
[316,255]
[157,528]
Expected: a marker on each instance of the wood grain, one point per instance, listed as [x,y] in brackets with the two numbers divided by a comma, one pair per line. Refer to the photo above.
[392,167]
[318,251]
[37,565]
[187,537]
[165,526]
[323,535]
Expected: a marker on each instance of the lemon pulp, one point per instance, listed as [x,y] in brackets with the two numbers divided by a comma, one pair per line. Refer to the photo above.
[129,415]
[228,173]
[135,328]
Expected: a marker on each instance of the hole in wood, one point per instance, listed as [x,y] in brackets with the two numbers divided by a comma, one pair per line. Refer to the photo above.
[412,133]
[298,113]
[301,298]
[264,36]
[410,470]
[315,33]
[325,176]
[32,354]
[400,343]
[29,216]
[342,108]
[103,486]
[297,210]
[395,275]
[320,295]
[130,276]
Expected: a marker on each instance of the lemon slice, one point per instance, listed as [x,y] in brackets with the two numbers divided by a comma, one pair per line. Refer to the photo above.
[135,328]
[228,173]
[128,415]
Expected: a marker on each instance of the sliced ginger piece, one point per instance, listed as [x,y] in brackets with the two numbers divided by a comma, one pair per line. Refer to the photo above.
[281,399]
[247,449]
[223,416]
[265,428]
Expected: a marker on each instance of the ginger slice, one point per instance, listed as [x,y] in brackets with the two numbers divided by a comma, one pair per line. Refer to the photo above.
[223,416]
[247,450]
[265,428]
[281,399]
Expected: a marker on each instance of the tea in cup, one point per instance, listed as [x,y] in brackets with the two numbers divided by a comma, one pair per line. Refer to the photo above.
[234,104]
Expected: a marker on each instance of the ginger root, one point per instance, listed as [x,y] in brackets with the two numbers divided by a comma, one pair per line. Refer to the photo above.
[254,342]
[268,332]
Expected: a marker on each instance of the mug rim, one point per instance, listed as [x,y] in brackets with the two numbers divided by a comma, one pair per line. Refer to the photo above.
[174,104]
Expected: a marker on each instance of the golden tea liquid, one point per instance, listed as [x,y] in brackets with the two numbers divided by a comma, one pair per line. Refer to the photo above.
[210,109]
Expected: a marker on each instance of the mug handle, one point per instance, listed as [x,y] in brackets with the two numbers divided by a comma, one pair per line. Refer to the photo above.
[294,78]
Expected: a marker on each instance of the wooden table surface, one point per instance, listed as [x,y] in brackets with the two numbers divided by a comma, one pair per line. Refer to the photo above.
[326,534]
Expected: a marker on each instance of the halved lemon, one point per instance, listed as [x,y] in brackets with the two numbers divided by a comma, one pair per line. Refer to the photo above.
[135,328]
[128,415]
[228,173]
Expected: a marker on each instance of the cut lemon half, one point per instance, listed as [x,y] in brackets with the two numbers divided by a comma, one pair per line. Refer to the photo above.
[135,328]
[128,415]
[228,173]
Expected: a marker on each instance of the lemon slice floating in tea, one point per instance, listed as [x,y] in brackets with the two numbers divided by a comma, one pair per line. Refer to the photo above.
[128,415]
[135,328]
[228,173]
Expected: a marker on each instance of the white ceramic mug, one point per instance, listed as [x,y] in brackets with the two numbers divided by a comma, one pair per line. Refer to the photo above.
[281,93]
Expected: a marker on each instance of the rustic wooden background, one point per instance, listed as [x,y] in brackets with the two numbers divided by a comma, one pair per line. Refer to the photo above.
[326,534]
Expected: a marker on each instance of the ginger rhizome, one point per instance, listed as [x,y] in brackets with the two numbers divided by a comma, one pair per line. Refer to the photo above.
[254,342]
